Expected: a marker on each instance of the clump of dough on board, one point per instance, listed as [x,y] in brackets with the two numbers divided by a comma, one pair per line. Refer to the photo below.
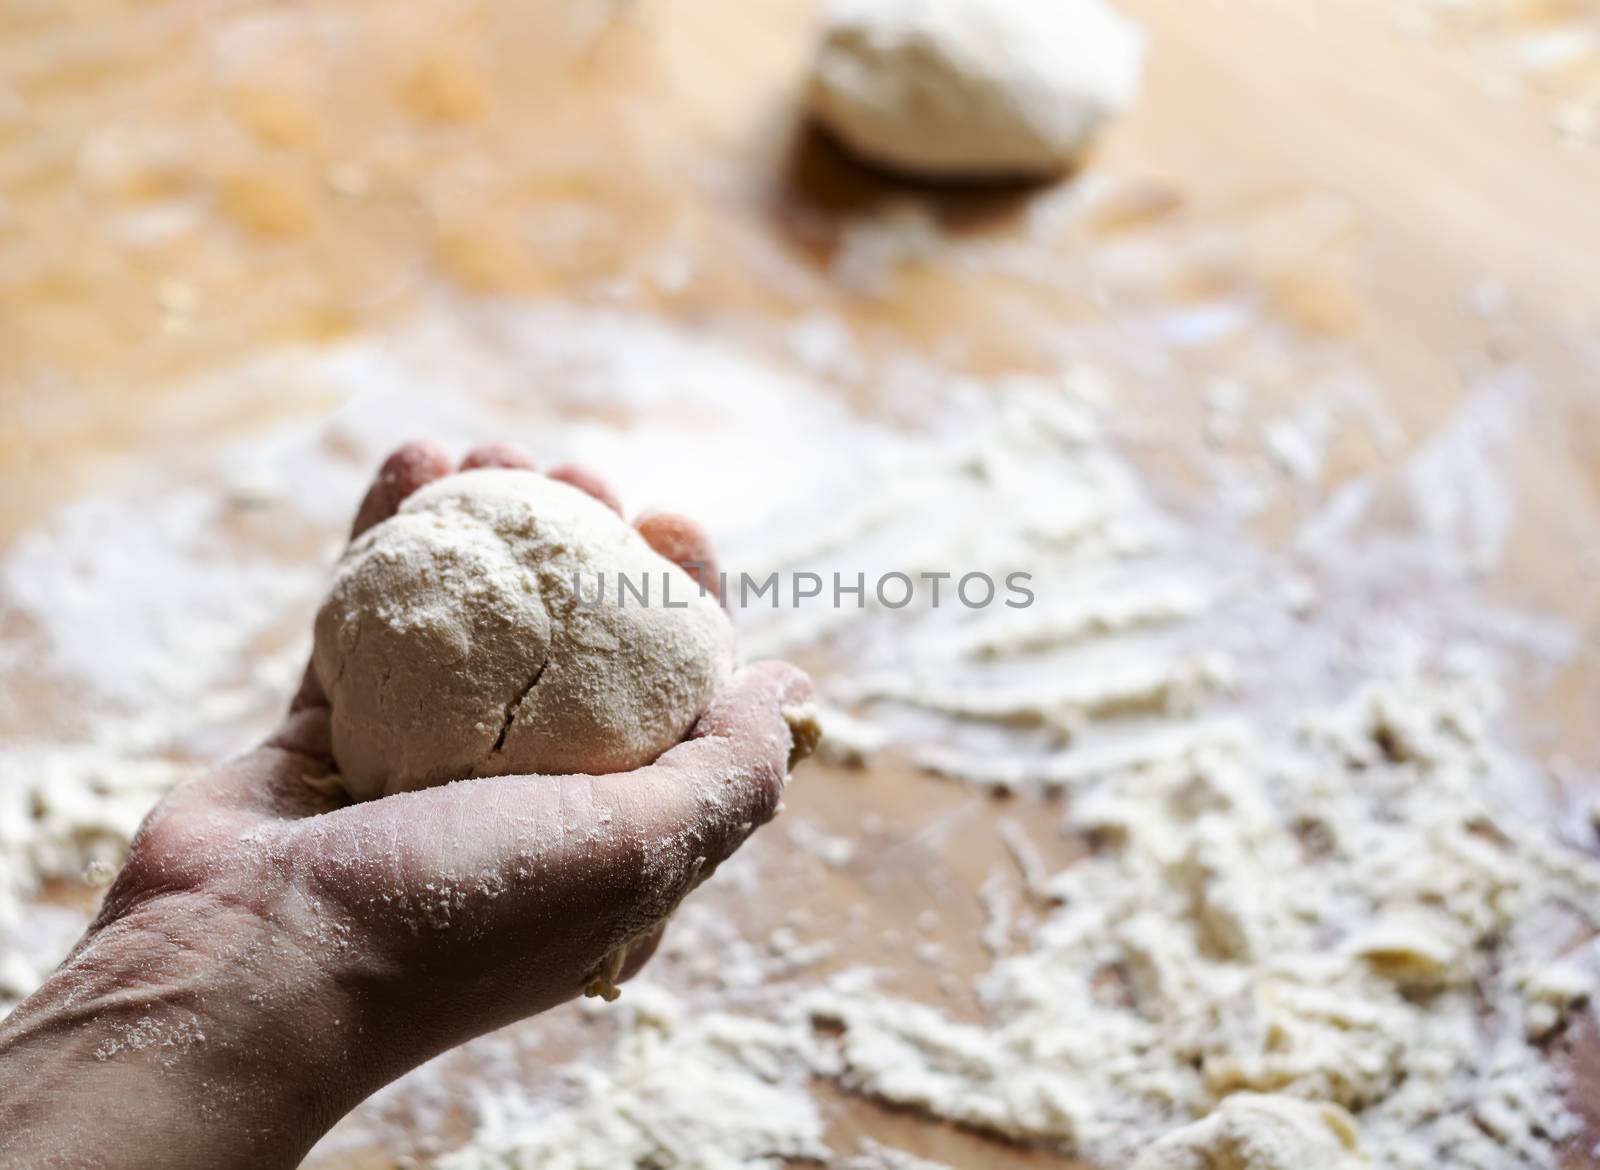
[453,641]
[973,89]
[1256,1131]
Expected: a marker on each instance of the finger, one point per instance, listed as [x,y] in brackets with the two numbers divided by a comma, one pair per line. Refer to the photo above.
[497,455]
[307,733]
[410,467]
[707,794]
[594,861]
[587,481]
[310,693]
[685,544]
[712,791]
[286,778]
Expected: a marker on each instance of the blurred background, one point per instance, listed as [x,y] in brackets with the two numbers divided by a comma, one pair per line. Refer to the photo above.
[1297,374]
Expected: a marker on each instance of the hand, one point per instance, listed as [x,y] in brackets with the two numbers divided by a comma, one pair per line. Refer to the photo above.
[271,954]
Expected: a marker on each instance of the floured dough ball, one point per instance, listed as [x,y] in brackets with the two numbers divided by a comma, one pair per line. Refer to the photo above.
[1254,1131]
[452,642]
[973,88]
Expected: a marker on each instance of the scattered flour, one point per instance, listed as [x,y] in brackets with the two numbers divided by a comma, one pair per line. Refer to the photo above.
[833,851]
[1287,907]
[682,1089]
[1253,1132]
[877,1156]
[1320,923]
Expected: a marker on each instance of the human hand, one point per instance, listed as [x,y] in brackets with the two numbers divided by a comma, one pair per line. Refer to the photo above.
[271,954]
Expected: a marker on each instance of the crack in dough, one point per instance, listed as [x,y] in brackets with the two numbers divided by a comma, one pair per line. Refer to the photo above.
[453,641]
[511,707]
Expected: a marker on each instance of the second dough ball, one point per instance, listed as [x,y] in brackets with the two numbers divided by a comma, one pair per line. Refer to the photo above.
[981,89]
[452,642]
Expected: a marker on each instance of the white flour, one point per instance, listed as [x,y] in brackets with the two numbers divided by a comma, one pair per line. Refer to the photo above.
[1303,875]
[1324,922]
[1255,1132]
[876,1156]
[682,1089]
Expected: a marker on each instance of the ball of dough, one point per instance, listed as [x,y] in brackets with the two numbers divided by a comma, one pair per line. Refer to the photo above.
[973,88]
[453,642]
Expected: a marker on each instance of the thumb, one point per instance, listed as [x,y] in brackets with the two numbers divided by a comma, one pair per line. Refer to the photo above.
[690,810]
[584,863]
[643,839]
[714,789]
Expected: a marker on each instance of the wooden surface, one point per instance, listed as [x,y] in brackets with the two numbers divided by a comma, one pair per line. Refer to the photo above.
[1359,180]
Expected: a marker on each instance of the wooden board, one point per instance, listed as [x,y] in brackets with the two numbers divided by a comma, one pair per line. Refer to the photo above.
[181,186]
